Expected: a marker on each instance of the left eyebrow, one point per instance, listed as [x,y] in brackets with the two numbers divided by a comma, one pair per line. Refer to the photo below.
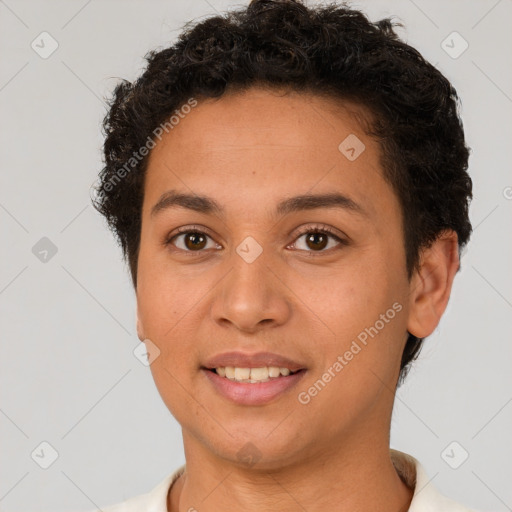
[207,205]
[313,201]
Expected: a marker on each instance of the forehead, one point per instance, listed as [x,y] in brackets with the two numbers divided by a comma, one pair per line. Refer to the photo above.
[262,145]
[269,118]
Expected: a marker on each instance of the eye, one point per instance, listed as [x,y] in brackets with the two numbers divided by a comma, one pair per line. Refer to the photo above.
[318,239]
[191,239]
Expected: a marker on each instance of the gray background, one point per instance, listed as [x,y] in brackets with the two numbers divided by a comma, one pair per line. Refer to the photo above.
[68,373]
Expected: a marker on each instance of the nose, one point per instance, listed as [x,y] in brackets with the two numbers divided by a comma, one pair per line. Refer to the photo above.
[251,297]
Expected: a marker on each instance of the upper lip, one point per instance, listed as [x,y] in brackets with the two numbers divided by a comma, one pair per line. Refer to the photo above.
[256,360]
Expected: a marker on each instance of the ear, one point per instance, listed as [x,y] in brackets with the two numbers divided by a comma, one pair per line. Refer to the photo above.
[140,327]
[431,284]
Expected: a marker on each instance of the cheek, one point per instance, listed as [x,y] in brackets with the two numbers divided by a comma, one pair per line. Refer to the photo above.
[173,302]
[350,296]
[169,305]
[165,297]
[361,360]
[362,305]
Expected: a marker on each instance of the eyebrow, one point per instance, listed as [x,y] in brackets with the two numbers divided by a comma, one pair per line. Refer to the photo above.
[207,205]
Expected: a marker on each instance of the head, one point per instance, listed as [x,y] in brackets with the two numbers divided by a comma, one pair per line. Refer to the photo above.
[223,141]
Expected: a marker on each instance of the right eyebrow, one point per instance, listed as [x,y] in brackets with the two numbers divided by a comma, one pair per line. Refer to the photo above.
[201,204]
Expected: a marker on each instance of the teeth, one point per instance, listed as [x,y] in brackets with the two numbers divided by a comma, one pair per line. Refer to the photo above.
[274,371]
[242,373]
[259,373]
[252,375]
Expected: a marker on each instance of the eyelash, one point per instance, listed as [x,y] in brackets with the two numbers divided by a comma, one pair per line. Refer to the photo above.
[319,229]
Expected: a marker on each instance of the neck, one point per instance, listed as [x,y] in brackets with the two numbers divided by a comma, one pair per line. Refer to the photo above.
[349,477]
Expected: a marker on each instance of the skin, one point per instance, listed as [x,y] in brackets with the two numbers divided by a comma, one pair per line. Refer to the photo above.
[248,151]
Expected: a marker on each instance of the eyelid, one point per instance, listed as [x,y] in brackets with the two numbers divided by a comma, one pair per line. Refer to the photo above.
[189,229]
[307,228]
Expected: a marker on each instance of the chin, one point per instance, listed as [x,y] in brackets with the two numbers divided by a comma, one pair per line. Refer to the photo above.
[264,445]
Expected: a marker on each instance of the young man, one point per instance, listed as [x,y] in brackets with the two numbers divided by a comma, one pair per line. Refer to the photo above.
[289,187]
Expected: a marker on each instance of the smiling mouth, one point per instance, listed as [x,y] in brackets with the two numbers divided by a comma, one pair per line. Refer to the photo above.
[253,375]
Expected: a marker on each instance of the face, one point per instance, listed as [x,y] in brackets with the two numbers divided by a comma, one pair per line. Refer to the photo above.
[266,244]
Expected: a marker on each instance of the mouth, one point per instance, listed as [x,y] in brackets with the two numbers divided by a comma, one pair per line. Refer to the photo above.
[252,379]
[252,375]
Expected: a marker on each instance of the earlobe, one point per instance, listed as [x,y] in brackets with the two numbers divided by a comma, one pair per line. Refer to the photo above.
[431,285]
[140,329]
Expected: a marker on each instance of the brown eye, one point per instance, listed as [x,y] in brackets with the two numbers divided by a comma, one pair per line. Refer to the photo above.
[317,241]
[192,241]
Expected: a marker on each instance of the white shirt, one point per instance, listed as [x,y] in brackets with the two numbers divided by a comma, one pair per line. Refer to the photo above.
[426,498]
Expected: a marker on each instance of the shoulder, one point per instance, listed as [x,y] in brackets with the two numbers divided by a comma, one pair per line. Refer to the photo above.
[137,503]
[426,497]
[153,501]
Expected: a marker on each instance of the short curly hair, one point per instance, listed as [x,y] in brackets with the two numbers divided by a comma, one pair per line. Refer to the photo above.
[331,49]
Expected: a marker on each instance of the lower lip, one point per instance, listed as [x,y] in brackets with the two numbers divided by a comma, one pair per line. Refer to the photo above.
[259,393]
